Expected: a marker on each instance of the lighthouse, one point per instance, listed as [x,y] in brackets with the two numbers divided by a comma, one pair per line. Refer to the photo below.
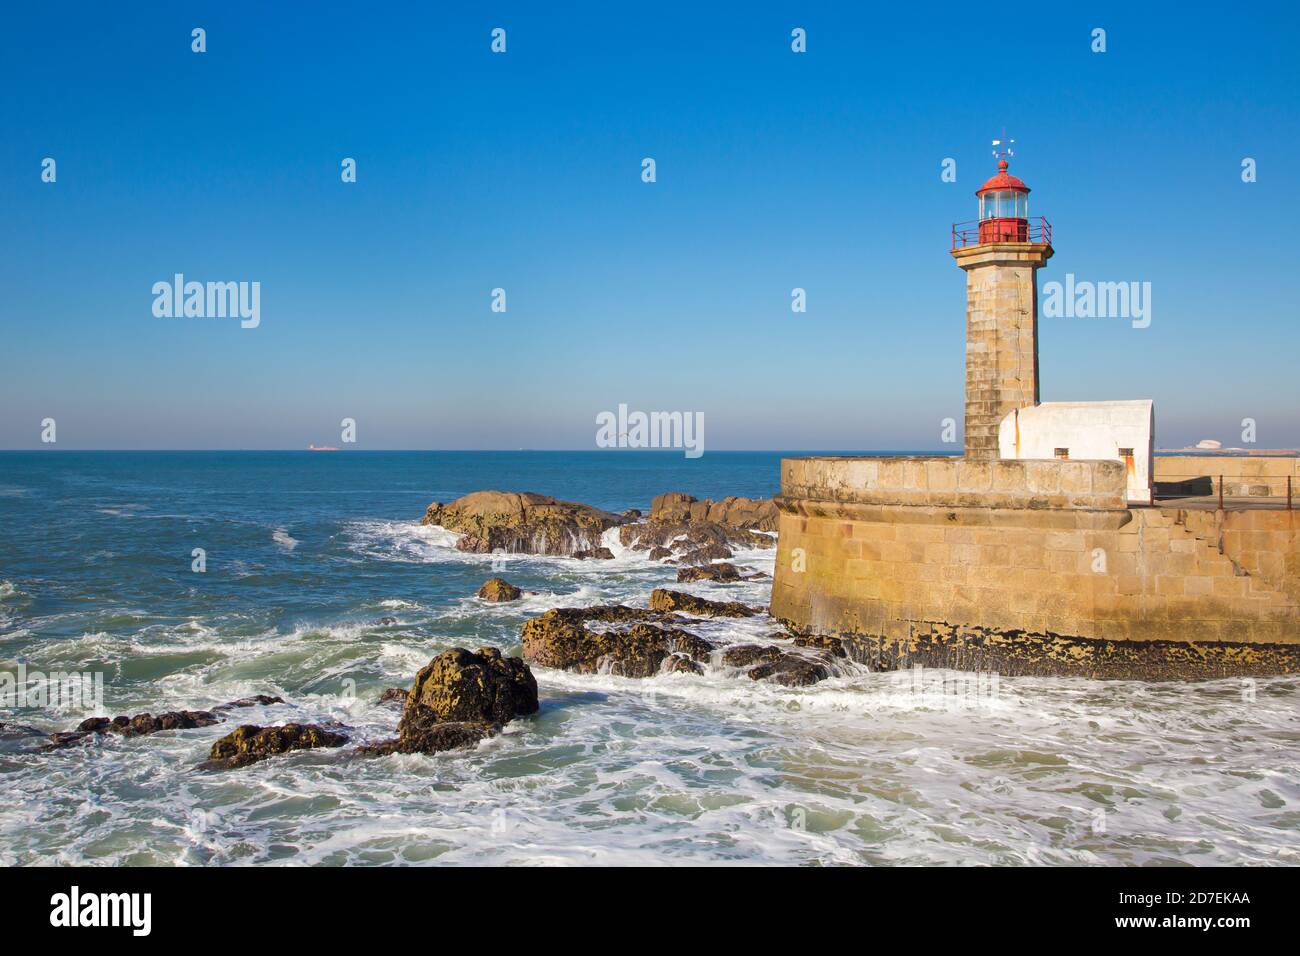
[1001,253]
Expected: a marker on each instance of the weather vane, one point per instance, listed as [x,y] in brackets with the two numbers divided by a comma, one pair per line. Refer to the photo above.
[1002,147]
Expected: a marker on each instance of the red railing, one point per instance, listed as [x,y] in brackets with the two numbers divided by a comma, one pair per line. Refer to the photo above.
[977,232]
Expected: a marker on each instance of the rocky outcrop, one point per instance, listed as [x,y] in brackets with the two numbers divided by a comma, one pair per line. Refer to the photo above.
[721,573]
[637,642]
[249,743]
[142,725]
[754,514]
[560,639]
[664,600]
[658,554]
[523,523]
[459,698]
[393,695]
[600,554]
[701,531]
[499,590]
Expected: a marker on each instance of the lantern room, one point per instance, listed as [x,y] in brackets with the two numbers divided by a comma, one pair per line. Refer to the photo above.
[1004,208]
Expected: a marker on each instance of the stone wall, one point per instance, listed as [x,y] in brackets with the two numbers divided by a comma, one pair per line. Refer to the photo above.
[1024,567]
[1243,475]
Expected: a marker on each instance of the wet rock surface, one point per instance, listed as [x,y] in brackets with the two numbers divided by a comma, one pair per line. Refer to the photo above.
[600,554]
[721,573]
[560,639]
[143,725]
[640,642]
[661,599]
[459,698]
[249,743]
[524,523]
[393,695]
[499,590]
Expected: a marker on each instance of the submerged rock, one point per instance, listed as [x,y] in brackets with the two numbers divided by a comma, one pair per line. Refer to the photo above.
[393,694]
[664,600]
[499,590]
[459,698]
[776,664]
[386,621]
[521,523]
[709,572]
[257,700]
[249,743]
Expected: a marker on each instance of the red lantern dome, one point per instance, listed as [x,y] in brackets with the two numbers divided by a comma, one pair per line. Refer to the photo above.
[1004,208]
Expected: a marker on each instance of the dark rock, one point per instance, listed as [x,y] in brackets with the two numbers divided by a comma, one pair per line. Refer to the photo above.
[743,655]
[433,738]
[664,600]
[387,621]
[141,725]
[632,514]
[560,639]
[459,698]
[393,694]
[706,554]
[680,664]
[658,554]
[603,554]
[710,572]
[249,743]
[792,670]
[832,645]
[257,700]
[20,730]
[521,523]
[499,590]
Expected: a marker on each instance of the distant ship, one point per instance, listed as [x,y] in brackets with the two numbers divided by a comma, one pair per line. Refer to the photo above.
[321,448]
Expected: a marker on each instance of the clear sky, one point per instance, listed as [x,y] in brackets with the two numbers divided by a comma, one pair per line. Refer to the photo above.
[522,171]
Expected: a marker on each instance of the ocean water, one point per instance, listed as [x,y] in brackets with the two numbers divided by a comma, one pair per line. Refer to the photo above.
[306,552]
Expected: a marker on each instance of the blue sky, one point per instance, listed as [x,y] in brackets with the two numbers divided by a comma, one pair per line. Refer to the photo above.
[522,171]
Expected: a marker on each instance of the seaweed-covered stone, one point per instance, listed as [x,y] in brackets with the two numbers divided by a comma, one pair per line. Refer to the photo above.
[721,573]
[477,686]
[459,698]
[744,655]
[792,670]
[141,725]
[432,738]
[249,743]
[834,646]
[560,639]
[499,590]
[392,695]
[661,599]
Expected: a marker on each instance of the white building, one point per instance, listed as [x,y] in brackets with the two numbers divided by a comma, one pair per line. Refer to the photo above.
[1123,431]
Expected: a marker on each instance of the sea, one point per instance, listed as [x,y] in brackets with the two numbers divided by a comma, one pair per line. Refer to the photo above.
[305,554]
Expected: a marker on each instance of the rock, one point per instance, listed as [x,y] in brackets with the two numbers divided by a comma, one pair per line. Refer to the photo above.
[707,554]
[744,655]
[459,698]
[664,600]
[20,730]
[141,725]
[604,554]
[433,738]
[731,512]
[680,664]
[658,554]
[462,685]
[832,645]
[632,514]
[792,670]
[257,700]
[499,590]
[392,695]
[249,743]
[560,639]
[387,621]
[710,572]
[521,523]
[771,663]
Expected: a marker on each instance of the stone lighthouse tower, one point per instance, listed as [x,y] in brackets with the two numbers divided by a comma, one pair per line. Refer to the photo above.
[1001,253]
